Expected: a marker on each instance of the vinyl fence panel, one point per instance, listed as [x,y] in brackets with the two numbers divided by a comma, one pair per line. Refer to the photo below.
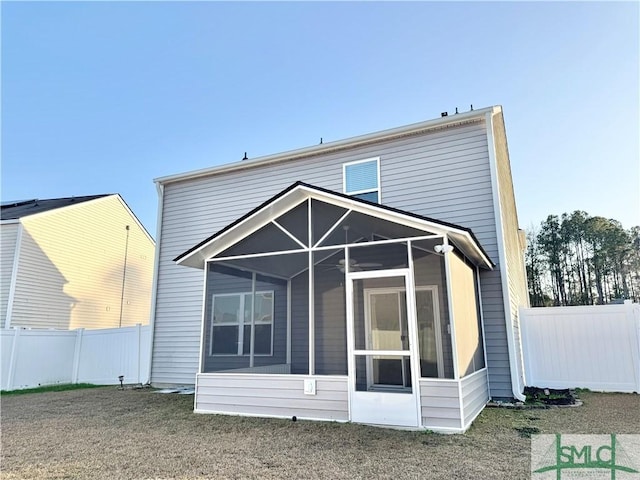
[107,354]
[6,339]
[32,358]
[595,347]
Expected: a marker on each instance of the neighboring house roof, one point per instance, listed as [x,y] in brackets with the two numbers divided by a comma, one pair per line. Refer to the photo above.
[23,208]
[291,196]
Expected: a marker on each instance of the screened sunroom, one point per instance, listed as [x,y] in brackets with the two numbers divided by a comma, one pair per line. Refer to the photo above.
[322,306]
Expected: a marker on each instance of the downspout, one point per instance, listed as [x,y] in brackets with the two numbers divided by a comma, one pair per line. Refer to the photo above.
[497,209]
[154,285]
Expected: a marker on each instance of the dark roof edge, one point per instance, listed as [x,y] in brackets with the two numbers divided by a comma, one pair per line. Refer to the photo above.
[57,203]
[239,220]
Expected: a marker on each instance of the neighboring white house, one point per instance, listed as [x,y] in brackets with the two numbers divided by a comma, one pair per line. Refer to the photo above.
[77,262]
[375,279]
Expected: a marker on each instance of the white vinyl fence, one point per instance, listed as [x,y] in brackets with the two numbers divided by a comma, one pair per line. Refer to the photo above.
[31,358]
[595,347]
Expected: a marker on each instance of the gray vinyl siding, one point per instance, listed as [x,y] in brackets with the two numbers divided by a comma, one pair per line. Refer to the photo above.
[442,174]
[273,395]
[440,402]
[475,395]
[8,239]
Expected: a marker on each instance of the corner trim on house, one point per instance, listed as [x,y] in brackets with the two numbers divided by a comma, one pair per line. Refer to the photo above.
[14,276]
[465,426]
[497,209]
[156,271]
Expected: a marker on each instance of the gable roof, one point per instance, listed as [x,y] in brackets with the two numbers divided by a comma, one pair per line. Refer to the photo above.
[23,208]
[293,195]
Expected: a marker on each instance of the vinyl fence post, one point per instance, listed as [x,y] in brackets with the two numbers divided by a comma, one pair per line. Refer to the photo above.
[76,355]
[13,361]
[633,312]
[139,342]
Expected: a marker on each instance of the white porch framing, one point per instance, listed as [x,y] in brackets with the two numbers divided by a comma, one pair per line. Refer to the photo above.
[408,273]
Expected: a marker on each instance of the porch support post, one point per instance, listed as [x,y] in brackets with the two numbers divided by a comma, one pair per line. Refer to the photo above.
[289,322]
[203,319]
[452,327]
[351,362]
[414,346]
[253,326]
[312,346]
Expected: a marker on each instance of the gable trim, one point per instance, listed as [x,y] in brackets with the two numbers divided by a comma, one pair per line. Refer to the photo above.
[348,202]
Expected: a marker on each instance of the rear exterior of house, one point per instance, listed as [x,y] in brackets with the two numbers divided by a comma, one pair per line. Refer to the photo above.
[436,184]
[77,262]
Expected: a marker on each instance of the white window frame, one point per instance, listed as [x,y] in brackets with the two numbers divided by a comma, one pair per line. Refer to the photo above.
[370,190]
[240,323]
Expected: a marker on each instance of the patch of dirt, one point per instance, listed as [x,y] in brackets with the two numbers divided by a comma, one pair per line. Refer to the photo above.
[106,433]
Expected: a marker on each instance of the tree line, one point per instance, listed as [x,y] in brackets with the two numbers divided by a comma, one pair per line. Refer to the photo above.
[577,259]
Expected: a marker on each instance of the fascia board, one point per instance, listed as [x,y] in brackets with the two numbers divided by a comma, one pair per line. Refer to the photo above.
[325,148]
[135,219]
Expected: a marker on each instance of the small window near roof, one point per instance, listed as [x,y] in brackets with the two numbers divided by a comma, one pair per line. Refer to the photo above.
[362,179]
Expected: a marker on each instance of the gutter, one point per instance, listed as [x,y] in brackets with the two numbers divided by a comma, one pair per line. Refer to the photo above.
[156,271]
[497,208]
[376,137]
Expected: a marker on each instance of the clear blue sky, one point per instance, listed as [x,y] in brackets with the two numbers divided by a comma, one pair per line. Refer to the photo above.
[102,97]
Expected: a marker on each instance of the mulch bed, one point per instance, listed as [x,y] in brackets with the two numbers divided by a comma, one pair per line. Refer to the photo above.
[547,396]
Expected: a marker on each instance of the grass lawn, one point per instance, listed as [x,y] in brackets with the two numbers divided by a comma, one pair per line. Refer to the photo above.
[109,433]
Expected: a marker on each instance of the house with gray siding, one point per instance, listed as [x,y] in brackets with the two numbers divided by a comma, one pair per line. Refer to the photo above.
[375,279]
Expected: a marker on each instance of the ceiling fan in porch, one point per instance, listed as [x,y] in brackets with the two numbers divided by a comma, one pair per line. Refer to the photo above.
[354,265]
